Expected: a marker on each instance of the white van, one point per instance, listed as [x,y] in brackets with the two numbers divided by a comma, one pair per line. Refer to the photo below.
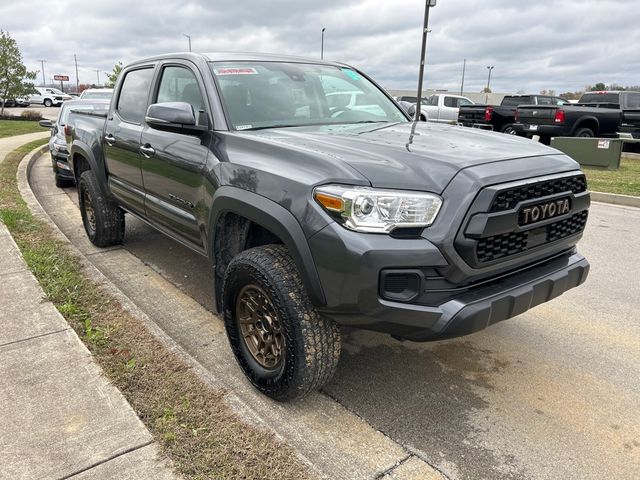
[48,97]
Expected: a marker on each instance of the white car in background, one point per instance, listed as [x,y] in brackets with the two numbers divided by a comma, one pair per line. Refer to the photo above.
[355,100]
[443,107]
[49,97]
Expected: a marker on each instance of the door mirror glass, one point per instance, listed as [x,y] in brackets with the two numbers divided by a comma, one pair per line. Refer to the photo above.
[46,123]
[172,116]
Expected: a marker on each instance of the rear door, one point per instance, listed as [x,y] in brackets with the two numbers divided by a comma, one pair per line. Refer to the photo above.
[173,161]
[121,141]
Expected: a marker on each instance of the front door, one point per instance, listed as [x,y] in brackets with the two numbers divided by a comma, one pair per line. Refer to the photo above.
[121,140]
[172,162]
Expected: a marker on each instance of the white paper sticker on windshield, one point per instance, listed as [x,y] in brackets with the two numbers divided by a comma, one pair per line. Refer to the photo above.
[235,71]
[243,127]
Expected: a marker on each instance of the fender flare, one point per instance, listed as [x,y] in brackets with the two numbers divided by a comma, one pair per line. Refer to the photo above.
[279,221]
[80,148]
[582,120]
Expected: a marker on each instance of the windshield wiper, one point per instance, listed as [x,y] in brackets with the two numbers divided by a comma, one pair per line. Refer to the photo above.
[283,125]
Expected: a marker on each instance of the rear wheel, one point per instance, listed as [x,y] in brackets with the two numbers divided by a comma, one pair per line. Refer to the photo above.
[584,133]
[103,220]
[285,348]
[508,129]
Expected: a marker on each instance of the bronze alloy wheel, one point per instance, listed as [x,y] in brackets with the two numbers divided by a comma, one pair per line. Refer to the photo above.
[260,326]
[88,209]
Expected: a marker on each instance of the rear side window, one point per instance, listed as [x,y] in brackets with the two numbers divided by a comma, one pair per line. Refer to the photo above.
[450,102]
[600,98]
[516,101]
[132,102]
[633,101]
[545,101]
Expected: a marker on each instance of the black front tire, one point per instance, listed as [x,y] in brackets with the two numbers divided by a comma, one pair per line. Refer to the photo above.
[311,343]
[103,220]
[48,103]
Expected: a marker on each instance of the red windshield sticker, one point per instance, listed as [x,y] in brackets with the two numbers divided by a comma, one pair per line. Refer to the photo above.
[235,71]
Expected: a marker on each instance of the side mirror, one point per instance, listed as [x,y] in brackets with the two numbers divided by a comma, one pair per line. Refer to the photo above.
[46,123]
[173,116]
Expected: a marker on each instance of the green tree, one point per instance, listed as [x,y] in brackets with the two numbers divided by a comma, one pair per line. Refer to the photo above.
[112,77]
[598,87]
[14,75]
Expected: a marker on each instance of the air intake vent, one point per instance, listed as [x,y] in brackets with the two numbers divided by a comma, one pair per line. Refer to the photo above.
[400,285]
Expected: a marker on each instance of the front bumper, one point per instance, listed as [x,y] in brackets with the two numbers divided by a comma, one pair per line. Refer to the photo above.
[60,164]
[354,299]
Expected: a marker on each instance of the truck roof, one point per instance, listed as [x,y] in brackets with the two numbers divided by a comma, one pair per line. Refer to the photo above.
[238,56]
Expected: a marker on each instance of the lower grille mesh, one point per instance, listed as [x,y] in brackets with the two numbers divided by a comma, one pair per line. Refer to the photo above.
[567,227]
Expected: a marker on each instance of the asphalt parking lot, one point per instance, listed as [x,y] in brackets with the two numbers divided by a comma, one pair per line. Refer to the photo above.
[554,393]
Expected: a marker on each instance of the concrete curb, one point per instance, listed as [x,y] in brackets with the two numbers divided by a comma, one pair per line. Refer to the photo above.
[56,398]
[257,409]
[616,199]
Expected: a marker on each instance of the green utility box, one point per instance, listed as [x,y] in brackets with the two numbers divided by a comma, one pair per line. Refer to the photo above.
[593,152]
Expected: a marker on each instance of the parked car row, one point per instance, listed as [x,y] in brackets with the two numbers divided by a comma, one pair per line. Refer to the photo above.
[442,108]
[14,102]
[597,114]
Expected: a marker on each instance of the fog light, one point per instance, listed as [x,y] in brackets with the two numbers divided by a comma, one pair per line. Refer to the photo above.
[63,166]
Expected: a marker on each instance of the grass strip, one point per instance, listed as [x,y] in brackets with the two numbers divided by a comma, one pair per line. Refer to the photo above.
[625,181]
[8,128]
[188,418]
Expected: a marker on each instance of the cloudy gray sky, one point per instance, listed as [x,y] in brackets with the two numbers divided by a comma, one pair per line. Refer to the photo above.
[534,45]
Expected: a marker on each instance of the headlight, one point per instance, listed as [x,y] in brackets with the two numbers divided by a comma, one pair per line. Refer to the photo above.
[60,147]
[378,211]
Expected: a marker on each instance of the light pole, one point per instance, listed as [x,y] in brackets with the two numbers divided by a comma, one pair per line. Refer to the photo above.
[322,44]
[464,68]
[189,37]
[423,53]
[490,67]
[98,77]
[44,81]
[77,78]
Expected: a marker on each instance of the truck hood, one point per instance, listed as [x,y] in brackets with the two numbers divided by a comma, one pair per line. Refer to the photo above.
[413,156]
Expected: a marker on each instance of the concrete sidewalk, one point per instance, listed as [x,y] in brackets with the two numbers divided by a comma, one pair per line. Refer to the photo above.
[59,416]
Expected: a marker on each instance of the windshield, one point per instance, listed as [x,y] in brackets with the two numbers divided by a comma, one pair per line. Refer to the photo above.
[269,94]
[96,95]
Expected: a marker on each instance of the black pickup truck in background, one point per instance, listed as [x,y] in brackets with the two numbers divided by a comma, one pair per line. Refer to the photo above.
[501,118]
[597,114]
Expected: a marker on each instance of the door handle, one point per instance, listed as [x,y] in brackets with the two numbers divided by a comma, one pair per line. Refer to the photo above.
[110,139]
[147,150]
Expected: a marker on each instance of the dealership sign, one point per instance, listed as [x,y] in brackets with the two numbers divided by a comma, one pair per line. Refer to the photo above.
[62,78]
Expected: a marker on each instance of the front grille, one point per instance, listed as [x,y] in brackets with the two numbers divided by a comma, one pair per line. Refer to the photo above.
[484,239]
[567,227]
[498,246]
[508,199]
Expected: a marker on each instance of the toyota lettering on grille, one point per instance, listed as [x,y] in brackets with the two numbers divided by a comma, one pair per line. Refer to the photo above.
[544,211]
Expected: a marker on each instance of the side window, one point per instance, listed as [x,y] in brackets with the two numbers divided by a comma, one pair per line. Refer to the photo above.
[433,100]
[132,102]
[545,101]
[179,84]
[464,101]
[633,101]
[450,102]
[560,101]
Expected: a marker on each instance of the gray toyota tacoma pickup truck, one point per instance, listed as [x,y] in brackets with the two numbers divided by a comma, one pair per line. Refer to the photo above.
[320,203]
